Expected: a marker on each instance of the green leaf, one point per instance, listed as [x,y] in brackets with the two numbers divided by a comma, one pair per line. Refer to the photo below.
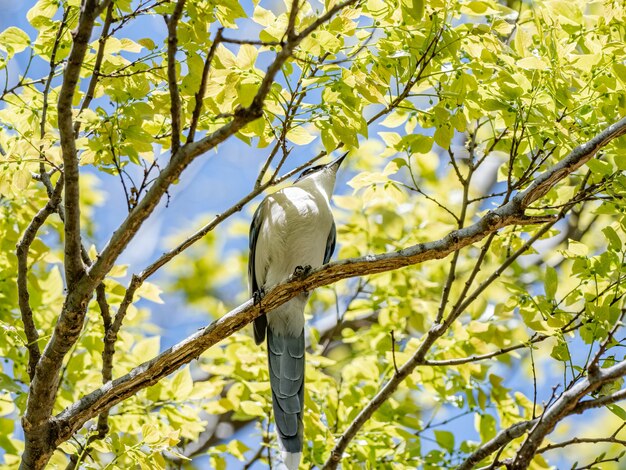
[150,292]
[551,282]
[418,9]
[620,160]
[615,243]
[300,136]
[418,143]
[329,140]
[14,40]
[395,119]
[150,434]
[443,135]
[6,404]
[237,449]
[445,439]
[252,408]
[182,383]
[600,167]
[42,11]
[8,384]
[486,426]
[533,63]
[577,248]
[617,411]
[21,179]
[560,351]
[147,43]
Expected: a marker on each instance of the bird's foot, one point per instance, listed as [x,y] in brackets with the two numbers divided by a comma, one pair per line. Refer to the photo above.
[258,295]
[302,271]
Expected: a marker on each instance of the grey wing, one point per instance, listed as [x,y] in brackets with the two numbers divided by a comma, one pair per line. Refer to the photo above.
[260,323]
[330,243]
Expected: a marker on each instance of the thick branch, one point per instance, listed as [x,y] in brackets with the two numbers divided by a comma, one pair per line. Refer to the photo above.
[499,440]
[46,379]
[152,371]
[516,430]
[172,79]
[564,405]
[73,263]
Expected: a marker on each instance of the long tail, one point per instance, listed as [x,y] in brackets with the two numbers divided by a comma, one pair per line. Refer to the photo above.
[286,364]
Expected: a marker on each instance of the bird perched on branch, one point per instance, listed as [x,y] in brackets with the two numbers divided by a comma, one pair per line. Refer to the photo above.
[292,231]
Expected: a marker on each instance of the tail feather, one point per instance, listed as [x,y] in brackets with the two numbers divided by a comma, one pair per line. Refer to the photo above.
[286,364]
[291,461]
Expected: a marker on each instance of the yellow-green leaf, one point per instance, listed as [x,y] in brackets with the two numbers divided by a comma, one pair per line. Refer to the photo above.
[21,179]
[532,63]
[577,248]
[14,40]
[300,136]
[150,292]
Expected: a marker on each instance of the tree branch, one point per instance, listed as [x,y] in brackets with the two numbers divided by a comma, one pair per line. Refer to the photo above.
[22,249]
[73,262]
[46,88]
[516,430]
[172,79]
[582,440]
[202,88]
[481,357]
[499,440]
[45,382]
[564,405]
[91,89]
[601,401]
[577,158]
[73,417]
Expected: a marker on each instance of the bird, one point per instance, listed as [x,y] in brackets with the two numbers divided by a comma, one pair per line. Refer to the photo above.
[292,231]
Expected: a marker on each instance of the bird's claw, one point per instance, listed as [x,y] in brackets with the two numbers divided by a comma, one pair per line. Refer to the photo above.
[302,271]
[258,295]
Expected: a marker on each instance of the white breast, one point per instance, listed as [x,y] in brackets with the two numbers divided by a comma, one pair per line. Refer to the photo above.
[294,233]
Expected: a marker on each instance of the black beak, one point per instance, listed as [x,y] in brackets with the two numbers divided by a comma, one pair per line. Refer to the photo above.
[335,164]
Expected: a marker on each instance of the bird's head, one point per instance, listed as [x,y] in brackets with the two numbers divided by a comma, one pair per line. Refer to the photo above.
[322,176]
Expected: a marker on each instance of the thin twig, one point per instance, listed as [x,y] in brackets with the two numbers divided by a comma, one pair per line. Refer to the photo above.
[195,117]
[393,352]
[46,88]
[253,42]
[582,440]
[91,89]
[22,249]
